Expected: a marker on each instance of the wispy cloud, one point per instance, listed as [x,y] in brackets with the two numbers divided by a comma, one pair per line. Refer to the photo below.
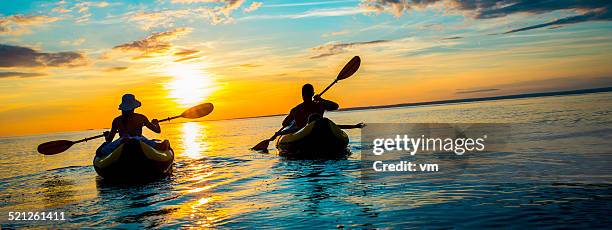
[307,3]
[488,9]
[335,33]
[17,56]
[334,48]
[324,12]
[452,38]
[218,13]
[79,10]
[186,52]
[20,74]
[471,91]
[76,42]
[598,15]
[155,44]
[164,18]
[254,6]
[116,69]
[21,24]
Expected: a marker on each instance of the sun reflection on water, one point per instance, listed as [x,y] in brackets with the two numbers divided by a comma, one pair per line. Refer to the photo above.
[193,140]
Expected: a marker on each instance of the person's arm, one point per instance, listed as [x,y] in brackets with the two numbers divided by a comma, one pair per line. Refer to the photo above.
[109,136]
[357,126]
[153,125]
[289,118]
[326,104]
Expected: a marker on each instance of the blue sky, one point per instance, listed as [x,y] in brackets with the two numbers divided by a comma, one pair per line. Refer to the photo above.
[60,55]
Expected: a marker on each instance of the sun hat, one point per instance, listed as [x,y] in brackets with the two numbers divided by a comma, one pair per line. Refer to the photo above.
[129,102]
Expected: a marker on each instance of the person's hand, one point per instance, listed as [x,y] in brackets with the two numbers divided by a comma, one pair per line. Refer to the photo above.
[106,135]
[155,122]
[360,125]
[317,97]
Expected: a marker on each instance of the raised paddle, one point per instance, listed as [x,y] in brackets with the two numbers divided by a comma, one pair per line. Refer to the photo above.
[55,147]
[349,69]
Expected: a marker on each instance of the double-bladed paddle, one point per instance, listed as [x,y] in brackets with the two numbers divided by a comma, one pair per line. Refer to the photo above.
[55,147]
[349,69]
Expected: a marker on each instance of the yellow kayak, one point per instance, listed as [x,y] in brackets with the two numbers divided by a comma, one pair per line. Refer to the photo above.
[320,139]
[133,160]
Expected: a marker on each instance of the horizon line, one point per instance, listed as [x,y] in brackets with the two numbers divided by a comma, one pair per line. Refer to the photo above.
[398,105]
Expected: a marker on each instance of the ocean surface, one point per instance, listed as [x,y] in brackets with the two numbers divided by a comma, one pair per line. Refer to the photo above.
[219,182]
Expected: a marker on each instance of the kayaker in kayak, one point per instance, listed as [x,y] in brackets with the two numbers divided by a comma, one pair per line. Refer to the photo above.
[129,125]
[312,104]
[299,114]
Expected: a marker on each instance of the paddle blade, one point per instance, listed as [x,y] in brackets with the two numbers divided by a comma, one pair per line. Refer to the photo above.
[198,111]
[54,147]
[262,146]
[350,68]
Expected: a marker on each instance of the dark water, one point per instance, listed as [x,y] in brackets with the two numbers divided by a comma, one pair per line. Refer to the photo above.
[218,182]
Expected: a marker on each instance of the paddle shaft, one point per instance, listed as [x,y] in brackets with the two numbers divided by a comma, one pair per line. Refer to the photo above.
[329,86]
[89,138]
[102,135]
[169,118]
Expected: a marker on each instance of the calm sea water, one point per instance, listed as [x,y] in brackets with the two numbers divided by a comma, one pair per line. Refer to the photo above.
[219,182]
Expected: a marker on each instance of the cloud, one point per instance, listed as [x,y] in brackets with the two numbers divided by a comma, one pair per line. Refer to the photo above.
[218,13]
[307,3]
[84,6]
[76,42]
[324,12]
[334,48]
[17,56]
[187,58]
[250,65]
[115,69]
[222,13]
[164,18]
[186,52]
[20,24]
[80,10]
[452,38]
[20,74]
[254,6]
[587,10]
[335,33]
[192,1]
[469,91]
[601,15]
[156,43]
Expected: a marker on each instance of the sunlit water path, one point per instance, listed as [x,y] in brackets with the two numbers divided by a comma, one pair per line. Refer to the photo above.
[218,181]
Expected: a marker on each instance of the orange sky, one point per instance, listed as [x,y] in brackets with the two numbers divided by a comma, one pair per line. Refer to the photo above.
[66,70]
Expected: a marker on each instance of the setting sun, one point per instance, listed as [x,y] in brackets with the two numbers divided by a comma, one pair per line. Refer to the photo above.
[189,84]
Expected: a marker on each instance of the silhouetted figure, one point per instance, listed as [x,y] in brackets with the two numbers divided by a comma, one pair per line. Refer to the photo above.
[312,108]
[300,113]
[129,125]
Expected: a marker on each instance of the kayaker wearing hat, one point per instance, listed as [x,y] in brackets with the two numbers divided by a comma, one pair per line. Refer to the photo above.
[129,125]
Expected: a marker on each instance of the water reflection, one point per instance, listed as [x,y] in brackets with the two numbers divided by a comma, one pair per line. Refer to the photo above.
[58,190]
[192,141]
[218,182]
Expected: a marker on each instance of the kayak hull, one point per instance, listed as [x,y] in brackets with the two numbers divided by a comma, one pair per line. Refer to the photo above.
[321,139]
[133,161]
